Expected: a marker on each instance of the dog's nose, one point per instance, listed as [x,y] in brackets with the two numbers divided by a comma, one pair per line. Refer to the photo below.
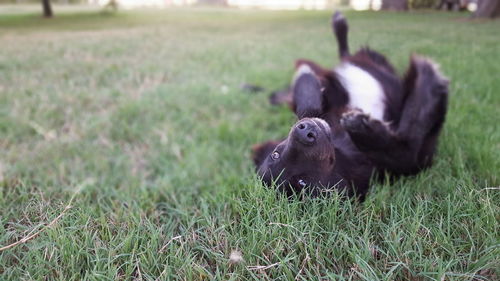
[306,132]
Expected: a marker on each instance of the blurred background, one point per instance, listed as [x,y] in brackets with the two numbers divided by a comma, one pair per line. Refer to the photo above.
[489,8]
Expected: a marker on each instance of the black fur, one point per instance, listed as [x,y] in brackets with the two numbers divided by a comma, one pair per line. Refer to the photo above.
[344,153]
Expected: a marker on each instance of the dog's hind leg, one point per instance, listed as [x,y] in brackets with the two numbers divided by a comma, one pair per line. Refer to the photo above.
[410,147]
[426,99]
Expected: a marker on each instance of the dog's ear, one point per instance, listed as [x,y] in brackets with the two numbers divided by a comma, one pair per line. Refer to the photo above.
[307,92]
[261,151]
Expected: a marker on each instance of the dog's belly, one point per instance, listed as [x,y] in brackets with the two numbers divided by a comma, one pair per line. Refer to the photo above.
[365,92]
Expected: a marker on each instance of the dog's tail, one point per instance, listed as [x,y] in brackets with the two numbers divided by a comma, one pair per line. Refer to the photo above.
[340,29]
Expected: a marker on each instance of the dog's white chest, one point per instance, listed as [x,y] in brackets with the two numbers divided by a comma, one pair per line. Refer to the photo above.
[365,92]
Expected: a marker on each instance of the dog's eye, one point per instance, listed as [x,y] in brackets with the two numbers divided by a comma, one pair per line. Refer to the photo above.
[302,183]
[275,155]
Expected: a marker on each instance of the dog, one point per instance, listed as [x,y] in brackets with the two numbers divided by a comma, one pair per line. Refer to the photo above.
[356,121]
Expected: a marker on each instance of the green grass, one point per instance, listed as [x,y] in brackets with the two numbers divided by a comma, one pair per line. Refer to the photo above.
[142,113]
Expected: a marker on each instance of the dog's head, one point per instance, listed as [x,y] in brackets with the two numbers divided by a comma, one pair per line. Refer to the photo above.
[303,161]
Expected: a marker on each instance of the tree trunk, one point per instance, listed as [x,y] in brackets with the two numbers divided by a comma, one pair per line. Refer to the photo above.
[395,5]
[47,9]
[488,9]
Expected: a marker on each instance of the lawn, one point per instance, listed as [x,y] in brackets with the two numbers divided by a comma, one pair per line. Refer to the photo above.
[138,123]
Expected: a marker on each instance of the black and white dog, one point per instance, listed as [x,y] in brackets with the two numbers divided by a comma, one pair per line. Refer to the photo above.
[354,120]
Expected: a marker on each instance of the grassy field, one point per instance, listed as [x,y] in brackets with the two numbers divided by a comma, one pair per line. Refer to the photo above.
[139,117]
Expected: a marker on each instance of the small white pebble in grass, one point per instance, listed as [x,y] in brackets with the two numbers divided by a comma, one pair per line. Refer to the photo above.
[235,257]
[224,89]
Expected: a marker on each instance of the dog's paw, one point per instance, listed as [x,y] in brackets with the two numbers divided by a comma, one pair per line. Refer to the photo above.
[355,121]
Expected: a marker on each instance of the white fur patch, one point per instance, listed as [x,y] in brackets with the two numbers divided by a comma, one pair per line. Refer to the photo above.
[365,92]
